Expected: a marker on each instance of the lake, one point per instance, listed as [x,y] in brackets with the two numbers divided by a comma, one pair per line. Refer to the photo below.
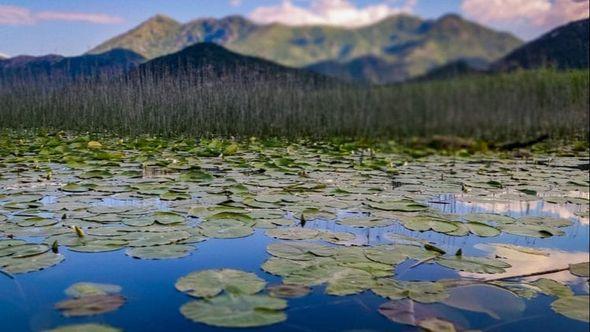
[362,240]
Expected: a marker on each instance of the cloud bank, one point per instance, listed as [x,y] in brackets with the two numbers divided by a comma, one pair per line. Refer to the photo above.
[329,12]
[527,17]
[14,15]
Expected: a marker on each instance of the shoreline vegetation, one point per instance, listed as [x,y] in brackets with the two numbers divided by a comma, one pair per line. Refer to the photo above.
[510,107]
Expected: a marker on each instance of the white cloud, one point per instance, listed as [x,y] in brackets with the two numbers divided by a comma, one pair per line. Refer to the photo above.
[14,15]
[329,12]
[235,3]
[527,17]
[4,56]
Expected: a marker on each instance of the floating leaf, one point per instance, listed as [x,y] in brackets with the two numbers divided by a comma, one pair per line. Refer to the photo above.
[30,264]
[90,305]
[552,288]
[226,229]
[168,218]
[473,264]
[574,307]
[293,233]
[167,251]
[209,283]
[236,311]
[85,328]
[299,251]
[82,289]
[288,290]
[580,269]
[421,291]
[482,230]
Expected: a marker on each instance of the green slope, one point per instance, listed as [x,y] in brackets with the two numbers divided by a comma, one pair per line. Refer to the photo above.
[402,41]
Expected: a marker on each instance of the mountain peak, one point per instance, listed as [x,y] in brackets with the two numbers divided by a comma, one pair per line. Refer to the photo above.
[160,19]
[146,39]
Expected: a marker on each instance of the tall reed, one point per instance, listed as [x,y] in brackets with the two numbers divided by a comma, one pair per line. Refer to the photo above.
[504,106]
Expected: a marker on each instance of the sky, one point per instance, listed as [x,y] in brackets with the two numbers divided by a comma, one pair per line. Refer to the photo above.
[72,27]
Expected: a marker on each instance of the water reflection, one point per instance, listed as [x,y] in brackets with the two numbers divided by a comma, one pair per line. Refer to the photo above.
[526,261]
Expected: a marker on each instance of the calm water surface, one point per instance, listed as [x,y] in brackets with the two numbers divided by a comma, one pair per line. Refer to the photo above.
[26,303]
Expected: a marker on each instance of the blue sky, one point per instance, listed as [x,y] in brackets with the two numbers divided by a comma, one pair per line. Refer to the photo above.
[73,26]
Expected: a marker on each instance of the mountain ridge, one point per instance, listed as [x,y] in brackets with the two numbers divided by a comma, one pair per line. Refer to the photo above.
[57,67]
[565,47]
[401,40]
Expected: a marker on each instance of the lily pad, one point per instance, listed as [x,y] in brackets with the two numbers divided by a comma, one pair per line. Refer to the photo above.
[90,305]
[474,264]
[85,328]
[288,290]
[552,288]
[293,233]
[580,269]
[420,291]
[226,229]
[82,289]
[236,311]
[167,251]
[574,307]
[210,283]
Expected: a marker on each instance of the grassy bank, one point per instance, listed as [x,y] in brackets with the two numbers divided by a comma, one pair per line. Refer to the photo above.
[504,107]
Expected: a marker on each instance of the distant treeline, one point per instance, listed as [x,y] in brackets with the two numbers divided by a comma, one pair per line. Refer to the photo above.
[499,107]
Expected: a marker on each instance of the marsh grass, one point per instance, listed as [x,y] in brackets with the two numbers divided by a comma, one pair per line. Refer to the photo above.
[498,107]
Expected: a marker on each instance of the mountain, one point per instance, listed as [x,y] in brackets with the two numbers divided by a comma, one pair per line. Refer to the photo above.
[367,69]
[56,67]
[410,45]
[3,56]
[209,60]
[462,67]
[566,47]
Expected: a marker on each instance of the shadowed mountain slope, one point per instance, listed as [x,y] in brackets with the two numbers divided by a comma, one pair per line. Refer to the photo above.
[410,45]
[564,48]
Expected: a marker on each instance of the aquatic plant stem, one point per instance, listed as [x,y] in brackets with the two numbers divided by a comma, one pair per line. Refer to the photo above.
[539,273]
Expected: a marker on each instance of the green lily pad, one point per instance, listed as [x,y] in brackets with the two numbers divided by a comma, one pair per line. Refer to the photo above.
[299,251]
[157,239]
[236,311]
[36,222]
[580,269]
[427,223]
[30,264]
[481,229]
[98,245]
[82,289]
[210,283]
[293,233]
[473,264]
[420,291]
[574,307]
[225,229]
[400,206]
[531,230]
[167,251]
[288,290]
[552,288]
[168,218]
[364,222]
[90,305]
[85,328]
[396,254]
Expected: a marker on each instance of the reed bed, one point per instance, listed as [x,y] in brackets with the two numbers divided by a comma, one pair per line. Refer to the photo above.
[493,107]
